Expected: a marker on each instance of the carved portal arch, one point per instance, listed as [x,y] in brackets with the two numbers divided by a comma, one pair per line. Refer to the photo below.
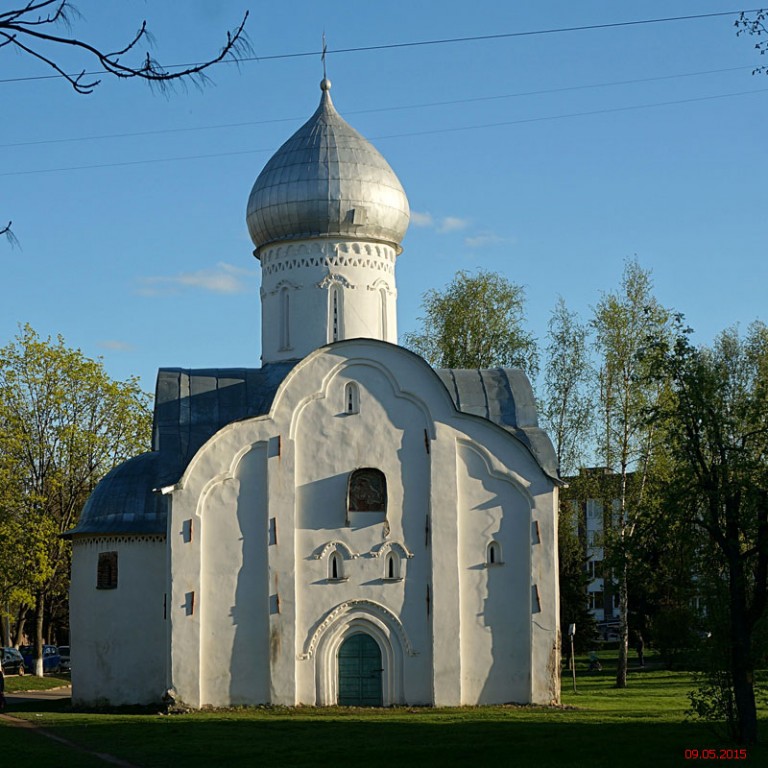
[347,619]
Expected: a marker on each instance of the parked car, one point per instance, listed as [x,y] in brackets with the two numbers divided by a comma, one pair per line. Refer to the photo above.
[51,658]
[64,653]
[13,662]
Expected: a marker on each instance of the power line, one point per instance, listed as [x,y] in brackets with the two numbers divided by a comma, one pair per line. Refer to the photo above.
[521,121]
[475,99]
[439,41]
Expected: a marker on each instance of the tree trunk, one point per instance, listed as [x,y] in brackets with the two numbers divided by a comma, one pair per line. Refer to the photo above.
[39,610]
[5,626]
[741,655]
[621,671]
[21,620]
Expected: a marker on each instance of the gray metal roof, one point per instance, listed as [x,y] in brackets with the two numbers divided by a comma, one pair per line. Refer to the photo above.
[124,501]
[192,405]
[505,397]
[326,181]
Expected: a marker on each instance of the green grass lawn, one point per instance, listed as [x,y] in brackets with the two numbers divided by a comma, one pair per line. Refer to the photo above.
[20,683]
[643,725]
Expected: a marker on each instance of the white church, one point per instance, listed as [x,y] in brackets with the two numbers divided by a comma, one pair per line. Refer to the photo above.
[343,525]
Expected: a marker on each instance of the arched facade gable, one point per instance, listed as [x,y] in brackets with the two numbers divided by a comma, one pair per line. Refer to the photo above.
[322,392]
[230,473]
[520,484]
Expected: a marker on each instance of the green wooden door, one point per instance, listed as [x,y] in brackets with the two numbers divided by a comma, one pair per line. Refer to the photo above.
[360,672]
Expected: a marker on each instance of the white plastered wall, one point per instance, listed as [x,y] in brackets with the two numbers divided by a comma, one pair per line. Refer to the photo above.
[447,496]
[118,636]
[298,279]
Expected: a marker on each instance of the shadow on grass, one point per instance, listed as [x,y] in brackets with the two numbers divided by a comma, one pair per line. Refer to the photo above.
[539,738]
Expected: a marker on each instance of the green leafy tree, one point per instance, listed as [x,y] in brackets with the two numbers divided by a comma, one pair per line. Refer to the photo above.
[475,322]
[717,428]
[63,425]
[625,322]
[573,578]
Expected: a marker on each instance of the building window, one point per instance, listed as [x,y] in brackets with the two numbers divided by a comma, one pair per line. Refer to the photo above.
[392,567]
[367,491]
[285,319]
[335,314]
[106,572]
[383,312]
[351,398]
[335,567]
[494,554]
[595,601]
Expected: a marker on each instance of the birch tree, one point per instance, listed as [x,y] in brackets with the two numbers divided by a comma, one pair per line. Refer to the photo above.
[477,321]
[625,323]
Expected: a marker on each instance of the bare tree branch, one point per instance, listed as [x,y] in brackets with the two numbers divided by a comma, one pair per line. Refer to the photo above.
[9,236]
[757,26]
[25,28]
[20,28]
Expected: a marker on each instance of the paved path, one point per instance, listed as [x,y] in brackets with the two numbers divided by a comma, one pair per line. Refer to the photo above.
[52,694]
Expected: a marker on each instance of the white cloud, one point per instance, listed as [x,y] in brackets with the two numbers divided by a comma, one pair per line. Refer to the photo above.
[482,239]
[116,345]
[419,219]
[225,278]
[452,224]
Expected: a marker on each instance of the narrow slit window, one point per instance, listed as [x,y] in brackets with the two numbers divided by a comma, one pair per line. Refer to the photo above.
[335,318]
[285,319]
[383,312]
[335,572]
[392,566]
[352,398]
[494,554]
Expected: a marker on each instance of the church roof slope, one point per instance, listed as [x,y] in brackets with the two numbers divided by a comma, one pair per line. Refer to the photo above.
[124,501]
[505,397]
[191,405]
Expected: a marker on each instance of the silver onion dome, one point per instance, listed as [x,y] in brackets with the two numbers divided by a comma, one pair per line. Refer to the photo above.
[327,181]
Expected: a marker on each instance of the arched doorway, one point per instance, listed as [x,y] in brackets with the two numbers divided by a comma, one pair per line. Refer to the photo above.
[360,671]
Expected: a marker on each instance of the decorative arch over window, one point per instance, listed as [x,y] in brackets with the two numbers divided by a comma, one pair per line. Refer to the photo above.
[367,491]
[351,398]
[494,554]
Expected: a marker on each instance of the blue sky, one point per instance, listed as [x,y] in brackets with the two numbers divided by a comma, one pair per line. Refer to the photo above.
[549,158]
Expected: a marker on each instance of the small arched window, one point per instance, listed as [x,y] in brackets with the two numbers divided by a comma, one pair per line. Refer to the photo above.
[351,398]
[392,566]
[494,554]
[335,566]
